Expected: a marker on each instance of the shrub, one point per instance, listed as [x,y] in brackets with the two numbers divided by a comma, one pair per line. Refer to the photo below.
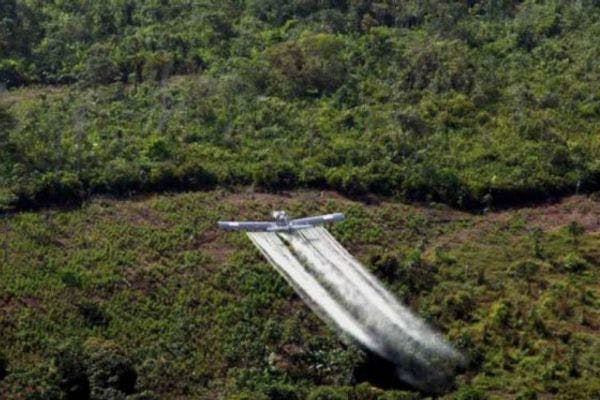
[162,176]
[248,396]
[311,66]
[7,122]
[275,176]
[108,369]
[364,391]
[528,394]
[572,263]
[399,395]
[118,176]
[471,394]
[63,188]
[282,392]
[37,383]
[500,314]
[93,314]
[193,174]
[526,269]
[347,179]
[11,74]
[99,68]
[71,278]
[73,379]
[328,393]
[417,274]
[459,305]
[103,393]
[159,149]
[576,231]
[386,265]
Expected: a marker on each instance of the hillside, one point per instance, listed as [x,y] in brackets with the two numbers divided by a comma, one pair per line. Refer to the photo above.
[149,288]
[461,138]
[465,102]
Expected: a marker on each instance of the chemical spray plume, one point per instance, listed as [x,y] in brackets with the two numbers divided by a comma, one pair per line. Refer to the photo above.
[344,294]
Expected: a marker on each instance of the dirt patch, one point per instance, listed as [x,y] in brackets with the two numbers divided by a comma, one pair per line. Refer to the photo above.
[580,209]
[10,304]
[134,212]
[28,93]
[209,243]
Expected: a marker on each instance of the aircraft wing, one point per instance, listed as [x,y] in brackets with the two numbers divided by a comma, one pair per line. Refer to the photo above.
[320,219]
[244,226]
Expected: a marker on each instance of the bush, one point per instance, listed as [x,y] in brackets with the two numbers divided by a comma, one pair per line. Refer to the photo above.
[93,314]
[524,269]
[328,393]
[146,395]
[73,379]
[399,395]
[11,73]
[118,176]
[109,370]
[528,394]
[459,305]
[282,392]
[63,188]
[248,396]
[311,66]
[193,174]
[386,265]
[572,263]
[470,393]
[99,68]
[275,176]
[102,393]
[7,122]
[500,314]
[347,180]
[37,383]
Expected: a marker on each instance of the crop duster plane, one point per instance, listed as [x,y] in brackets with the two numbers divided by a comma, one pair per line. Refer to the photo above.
[281,223]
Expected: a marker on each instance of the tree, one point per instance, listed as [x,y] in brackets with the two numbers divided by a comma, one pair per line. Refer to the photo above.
[314,65]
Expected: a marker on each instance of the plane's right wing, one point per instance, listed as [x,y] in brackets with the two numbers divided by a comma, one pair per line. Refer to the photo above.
[244,226]
[320,219]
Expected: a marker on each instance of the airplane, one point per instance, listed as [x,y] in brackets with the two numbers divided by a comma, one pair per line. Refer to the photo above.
[282,223]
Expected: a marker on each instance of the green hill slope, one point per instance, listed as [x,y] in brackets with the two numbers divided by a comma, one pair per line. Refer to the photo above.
[150,289]
[466,102]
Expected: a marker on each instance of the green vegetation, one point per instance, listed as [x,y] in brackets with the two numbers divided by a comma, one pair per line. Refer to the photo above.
[466,102]
[473,104]
[145,299]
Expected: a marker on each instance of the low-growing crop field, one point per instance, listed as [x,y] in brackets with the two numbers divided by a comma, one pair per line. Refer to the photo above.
[146,298]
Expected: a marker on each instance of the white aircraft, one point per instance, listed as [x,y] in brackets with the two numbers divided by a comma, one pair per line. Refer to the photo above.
[282,223]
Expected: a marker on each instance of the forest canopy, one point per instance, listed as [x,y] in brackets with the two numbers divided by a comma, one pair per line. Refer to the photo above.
[470,103]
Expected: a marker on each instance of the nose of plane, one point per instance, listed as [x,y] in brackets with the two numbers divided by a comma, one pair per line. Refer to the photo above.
[278,214]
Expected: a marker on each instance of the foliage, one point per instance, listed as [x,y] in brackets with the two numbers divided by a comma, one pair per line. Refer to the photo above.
[145,299]
[474,104]
[327,393]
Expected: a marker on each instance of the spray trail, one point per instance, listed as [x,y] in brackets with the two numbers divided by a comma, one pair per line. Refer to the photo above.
[342,292]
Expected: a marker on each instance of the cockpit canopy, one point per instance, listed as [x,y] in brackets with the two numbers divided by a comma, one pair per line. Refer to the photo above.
[281,217]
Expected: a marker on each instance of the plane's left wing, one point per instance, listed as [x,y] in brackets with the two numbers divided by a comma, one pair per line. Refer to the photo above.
[244,226]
